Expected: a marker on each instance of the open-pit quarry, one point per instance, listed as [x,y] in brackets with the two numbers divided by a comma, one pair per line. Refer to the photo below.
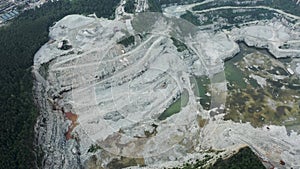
[130,92]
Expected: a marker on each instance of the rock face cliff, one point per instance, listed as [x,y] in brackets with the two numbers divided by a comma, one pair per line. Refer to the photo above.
[119,93]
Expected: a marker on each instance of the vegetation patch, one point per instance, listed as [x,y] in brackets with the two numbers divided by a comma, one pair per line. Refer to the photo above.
[195,164]
[94,148]
[180,45]
[124,162]
[287,6]
[129,6]
[201,88]
[189,16]
[178,2]
[201,121]
[43,70]
[244,159]
[223,17]
[259,97]
[154,6]
[127,41]
[176,106]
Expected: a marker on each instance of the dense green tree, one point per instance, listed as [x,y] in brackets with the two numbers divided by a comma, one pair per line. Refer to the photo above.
[154,6]
[244,159]
[287,6]
[19,42]
[129,6]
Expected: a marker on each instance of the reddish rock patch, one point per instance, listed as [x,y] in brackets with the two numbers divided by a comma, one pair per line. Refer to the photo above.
[73,118]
